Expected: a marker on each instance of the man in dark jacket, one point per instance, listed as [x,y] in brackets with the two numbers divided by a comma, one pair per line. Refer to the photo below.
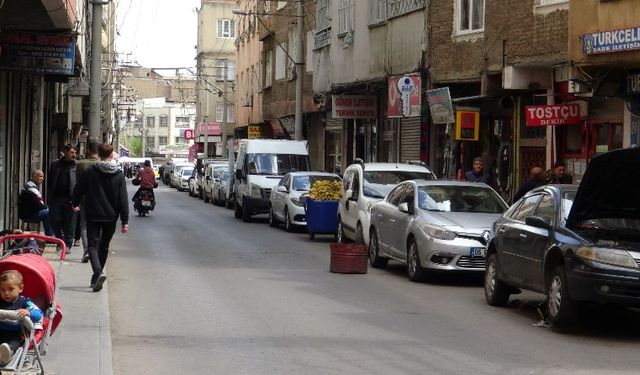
[62,179]
[536,178]
[104,188]
[31,204]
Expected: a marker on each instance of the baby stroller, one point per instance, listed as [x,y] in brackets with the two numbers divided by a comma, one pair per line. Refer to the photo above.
[40,285]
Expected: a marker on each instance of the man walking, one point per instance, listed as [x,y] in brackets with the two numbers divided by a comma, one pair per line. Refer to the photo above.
[31,204]
[62,179]
[104,189]
[83,165]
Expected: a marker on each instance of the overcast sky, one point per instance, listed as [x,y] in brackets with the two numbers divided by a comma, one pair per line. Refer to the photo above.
[158,33]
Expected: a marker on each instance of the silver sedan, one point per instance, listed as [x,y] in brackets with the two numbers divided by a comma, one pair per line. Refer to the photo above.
[434,225]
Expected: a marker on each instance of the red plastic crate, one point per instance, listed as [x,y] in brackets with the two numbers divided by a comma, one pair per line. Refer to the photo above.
[348,258]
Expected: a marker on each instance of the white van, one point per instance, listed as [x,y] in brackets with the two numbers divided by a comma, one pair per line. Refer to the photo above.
[260,165]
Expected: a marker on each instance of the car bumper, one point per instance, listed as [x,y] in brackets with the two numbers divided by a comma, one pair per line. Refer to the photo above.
[184,184]
[453,255]
[256,205]
[606,284]
[297,215]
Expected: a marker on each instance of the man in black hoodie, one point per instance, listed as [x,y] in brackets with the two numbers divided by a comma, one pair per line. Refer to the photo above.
[62,179]
[104,189]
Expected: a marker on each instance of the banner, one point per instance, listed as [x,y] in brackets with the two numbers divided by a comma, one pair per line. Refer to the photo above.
[404,96]
[551,115]
[440,106]
[37,53]
[214,128]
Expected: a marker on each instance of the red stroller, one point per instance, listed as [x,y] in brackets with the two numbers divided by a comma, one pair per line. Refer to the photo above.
[40,285]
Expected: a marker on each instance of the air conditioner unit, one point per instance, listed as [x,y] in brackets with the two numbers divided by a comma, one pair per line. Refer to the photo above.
[247,101]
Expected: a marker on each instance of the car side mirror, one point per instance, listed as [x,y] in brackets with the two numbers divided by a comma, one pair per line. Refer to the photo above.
[404,207]
[282,189]
[538,222]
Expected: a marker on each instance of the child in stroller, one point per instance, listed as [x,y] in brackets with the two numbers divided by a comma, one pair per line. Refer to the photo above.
[11,298]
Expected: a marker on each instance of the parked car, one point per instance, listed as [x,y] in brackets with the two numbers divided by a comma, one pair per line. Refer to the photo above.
[193,184]
[434,225]
[201,178]
[574,244]
[212,172]
[185,175]
[219,192]
[366,184]
[176,173]
[287,199]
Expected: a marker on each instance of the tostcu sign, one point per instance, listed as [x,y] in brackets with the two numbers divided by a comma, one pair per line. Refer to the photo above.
[551,115]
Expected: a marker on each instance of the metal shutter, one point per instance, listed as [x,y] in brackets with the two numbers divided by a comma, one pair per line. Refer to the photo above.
[409,139]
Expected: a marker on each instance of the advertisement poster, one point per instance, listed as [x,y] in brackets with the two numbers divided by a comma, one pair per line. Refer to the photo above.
[440,106]
[37,53]
[404,96]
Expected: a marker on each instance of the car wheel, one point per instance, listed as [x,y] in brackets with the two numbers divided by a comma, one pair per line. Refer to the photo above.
[560,307]
[288,226]
[237,210]
[414,269]
[359,239]
[246,214]
[376,260]
[495,291]
[272,219]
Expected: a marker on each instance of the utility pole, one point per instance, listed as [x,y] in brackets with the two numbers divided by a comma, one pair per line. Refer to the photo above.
[95,93]
[299,70]
[223,132]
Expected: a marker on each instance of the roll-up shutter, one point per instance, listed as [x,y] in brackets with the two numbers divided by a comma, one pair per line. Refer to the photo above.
[409,139]
[334,123]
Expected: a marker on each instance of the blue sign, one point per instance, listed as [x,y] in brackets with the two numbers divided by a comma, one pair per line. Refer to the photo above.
[611,41]
[37,53]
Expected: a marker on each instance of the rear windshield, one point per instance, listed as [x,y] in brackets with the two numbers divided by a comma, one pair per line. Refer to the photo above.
[460,199]
[304,183]
[276,164]
[377,184]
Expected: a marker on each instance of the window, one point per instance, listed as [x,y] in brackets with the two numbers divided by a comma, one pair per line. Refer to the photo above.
[281,61]
[219,111]
[226,28]
[151,122]
[179,140]
[526,208]
[322,15]
[545,208]
[162,141]
[151,142]
[182,119]
[395,195]
[231,112]
[281,4]
[377,11]
[345,19]
[138,122]
[268,68]
[267,6]
[221,66]
[164,121]
[470,16]
[550,2]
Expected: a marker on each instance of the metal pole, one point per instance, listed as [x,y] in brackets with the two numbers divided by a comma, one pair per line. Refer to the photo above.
[224,108]
[206,126]
[95,93]
[299,70]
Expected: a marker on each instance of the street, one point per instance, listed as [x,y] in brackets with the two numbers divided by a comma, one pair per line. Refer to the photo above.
[192,290]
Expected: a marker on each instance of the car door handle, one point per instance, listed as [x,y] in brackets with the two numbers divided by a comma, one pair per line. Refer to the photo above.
[522,236]
[392,220]
[501,230]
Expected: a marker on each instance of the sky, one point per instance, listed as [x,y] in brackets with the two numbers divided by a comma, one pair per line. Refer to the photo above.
[158,33]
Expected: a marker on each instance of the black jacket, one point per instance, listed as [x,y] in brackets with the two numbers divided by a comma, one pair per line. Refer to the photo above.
[104,189]
[29,203]
[56,171]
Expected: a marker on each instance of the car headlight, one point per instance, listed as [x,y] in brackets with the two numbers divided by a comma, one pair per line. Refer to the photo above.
[438,232]
[256,192]
[370,206]
[297,201]
[608,256]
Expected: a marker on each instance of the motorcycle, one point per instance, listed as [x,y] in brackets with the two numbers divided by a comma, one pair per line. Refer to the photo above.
[144,202]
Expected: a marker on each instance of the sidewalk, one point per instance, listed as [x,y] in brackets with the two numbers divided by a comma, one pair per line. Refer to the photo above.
[82,343]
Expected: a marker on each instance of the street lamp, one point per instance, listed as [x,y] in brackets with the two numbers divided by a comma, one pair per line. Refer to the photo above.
[299,54]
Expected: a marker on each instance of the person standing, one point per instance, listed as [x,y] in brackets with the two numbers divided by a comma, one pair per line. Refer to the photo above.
[536,178]
[83,165]
[104,188]
[477,172]
[557,175]
[31,204]
[62,179]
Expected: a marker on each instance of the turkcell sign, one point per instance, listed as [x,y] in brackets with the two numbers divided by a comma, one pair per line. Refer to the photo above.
[611,41]
[551,115]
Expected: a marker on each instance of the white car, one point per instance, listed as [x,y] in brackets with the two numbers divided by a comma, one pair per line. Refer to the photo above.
[286,203]
[185,175]
[212,172]
[365,184]
[175,173]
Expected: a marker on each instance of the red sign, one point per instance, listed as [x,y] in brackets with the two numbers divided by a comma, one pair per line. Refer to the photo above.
[551,115]
[188,134]
[214,128]
[404,96]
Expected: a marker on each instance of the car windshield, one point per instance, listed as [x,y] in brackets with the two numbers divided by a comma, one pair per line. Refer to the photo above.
[225,175]
[276,164]
[304,183]
[567,202]
[218,171]
[377,184]
[456,198]
[186,172]
[178,168]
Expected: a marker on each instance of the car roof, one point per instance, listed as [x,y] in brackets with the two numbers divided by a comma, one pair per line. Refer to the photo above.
[313,173]
[557,187]
[447,183]
[392,167]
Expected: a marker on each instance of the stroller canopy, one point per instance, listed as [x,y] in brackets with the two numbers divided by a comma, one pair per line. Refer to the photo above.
[39,277]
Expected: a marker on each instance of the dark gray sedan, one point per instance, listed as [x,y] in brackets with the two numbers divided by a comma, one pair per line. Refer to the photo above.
[434,225]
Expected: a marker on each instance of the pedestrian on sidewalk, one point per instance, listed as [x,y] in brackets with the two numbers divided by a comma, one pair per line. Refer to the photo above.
[31,203]
[83,165]
[104,188]
[62,180]
[536,178]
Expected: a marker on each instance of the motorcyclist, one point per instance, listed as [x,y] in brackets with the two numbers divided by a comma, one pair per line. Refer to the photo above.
[147,180]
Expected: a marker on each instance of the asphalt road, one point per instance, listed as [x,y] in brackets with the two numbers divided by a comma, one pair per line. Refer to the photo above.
[195,291]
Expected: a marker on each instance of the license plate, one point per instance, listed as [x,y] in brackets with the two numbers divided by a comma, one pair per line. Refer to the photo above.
[146,203]
[478,252]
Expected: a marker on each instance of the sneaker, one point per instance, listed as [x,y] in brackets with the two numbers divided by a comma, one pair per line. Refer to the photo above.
[68,251]
[98,285]
[94,277]
[5,354]
[76,243]
[85,257]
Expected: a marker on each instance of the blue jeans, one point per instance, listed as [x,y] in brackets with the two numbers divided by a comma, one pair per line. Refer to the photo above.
[43,215]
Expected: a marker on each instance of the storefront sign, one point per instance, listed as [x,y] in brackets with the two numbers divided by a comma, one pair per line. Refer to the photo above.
[189,134]
[632,83]
[404,96]
[178,148]
[611,41]
[550,115]
[467,125]
[253,132]
[214,128]
[354,106]
[37,53]
[440,106]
